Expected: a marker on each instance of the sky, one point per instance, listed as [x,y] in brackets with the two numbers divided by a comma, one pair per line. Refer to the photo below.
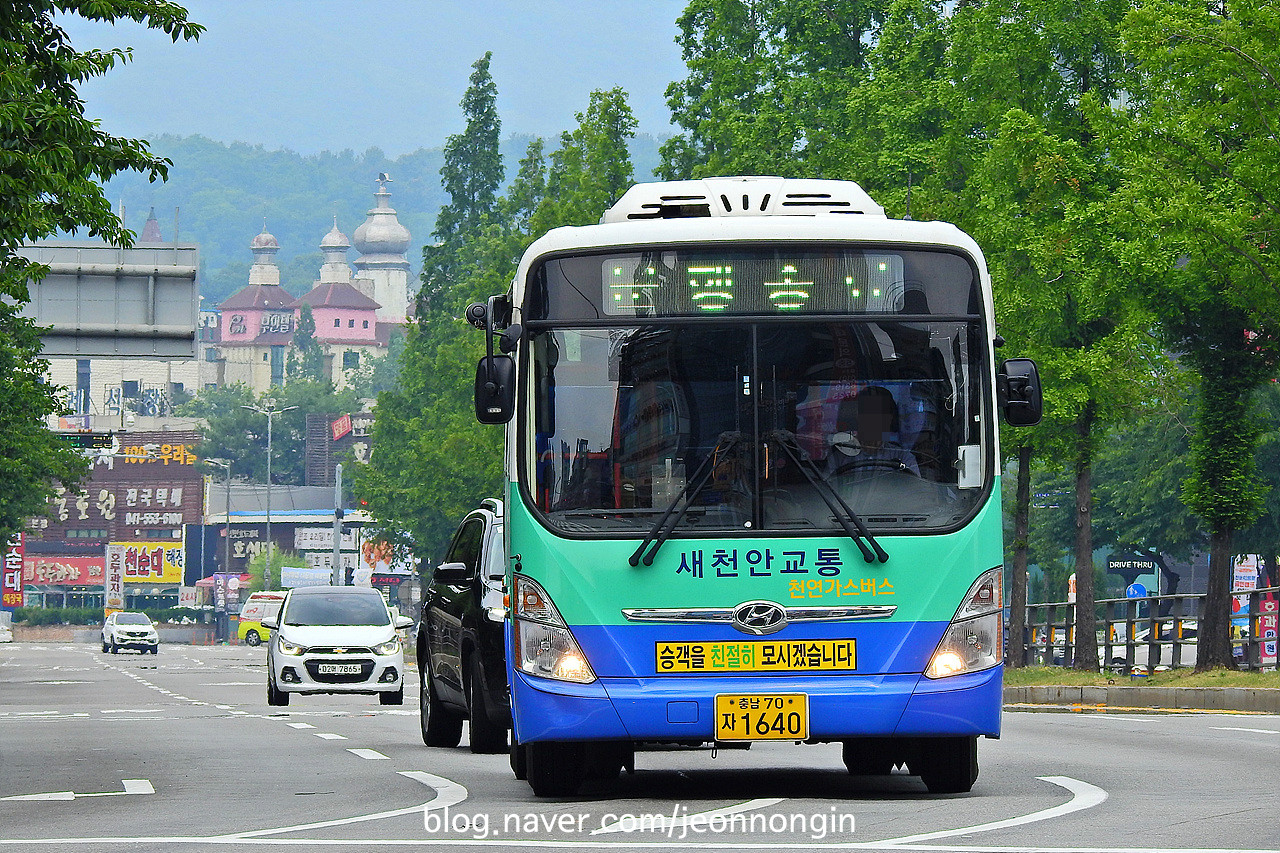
[315,75]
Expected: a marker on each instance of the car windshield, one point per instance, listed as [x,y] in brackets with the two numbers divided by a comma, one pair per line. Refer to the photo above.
[337,609]
[132,619]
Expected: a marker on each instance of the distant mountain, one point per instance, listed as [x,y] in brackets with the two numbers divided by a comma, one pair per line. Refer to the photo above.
[220,195]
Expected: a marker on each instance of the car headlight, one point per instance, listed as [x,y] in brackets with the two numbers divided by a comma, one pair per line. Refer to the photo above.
[390,647]
[289,648]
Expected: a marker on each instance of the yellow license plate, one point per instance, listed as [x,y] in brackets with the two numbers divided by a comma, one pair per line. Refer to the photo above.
[756,656]
[762,716]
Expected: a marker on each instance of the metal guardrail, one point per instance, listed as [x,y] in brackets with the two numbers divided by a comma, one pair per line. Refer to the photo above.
[1164,635]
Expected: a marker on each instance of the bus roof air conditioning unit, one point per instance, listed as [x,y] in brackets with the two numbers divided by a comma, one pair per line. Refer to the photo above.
[746,196]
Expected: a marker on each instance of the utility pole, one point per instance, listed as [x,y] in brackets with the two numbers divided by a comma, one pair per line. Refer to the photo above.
[337,578]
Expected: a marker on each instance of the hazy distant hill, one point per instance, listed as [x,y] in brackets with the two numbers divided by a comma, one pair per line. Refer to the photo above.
[223,193]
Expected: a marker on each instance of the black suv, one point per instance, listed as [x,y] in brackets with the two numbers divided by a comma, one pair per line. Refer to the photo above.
[460,638]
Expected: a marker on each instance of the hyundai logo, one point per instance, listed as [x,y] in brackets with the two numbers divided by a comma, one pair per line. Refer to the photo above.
[759,617]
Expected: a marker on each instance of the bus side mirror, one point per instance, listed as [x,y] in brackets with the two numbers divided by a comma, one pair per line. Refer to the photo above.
[1018,388]
[495,389]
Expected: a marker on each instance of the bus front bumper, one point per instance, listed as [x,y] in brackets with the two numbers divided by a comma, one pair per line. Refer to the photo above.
[680,708]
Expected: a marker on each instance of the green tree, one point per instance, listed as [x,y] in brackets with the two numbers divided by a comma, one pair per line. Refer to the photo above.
[1199,207]
[239,434]
[379,373]
[306,358]
[472,174]
[52,162]
[591,169]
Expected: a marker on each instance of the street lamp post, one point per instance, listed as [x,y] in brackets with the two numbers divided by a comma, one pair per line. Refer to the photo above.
[270,411]
[225,465]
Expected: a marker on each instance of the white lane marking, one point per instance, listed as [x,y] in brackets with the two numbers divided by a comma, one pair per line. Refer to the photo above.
[448,793]
[371,754]
[1083,796]
[234,684]
[330,736]
[62,682]
[300,725]
[1238,729]
[674,822]
[131,786]
[132,711]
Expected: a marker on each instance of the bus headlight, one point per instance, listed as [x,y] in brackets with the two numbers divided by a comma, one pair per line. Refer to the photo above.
[974,640]
[543,644]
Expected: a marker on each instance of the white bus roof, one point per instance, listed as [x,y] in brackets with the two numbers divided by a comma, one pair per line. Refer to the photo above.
[675,212]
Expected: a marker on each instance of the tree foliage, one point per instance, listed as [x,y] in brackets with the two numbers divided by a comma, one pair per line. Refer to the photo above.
[52,160]
[305,357]
[239,434]
[432,461]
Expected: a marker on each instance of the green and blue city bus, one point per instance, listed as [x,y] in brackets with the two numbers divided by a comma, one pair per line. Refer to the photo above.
[753,485]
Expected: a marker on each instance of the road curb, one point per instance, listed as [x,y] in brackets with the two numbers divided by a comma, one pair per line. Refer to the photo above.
[1255,699]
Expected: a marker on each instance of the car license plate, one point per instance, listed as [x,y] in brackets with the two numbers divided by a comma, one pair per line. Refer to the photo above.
[762,716]
[339,668]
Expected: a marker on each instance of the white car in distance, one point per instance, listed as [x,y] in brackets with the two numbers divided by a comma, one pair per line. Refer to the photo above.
[128,630]
[335,639]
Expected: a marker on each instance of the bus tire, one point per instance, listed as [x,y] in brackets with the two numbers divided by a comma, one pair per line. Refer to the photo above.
[869,756]
[487,737]
[519,763]
[947,765]
[440,726]
[555,769]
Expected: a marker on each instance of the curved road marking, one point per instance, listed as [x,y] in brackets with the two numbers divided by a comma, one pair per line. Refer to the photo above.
[1083,796]
[448,793]
[662,824]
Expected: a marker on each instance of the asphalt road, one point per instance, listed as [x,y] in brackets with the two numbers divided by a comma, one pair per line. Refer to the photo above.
[179,751]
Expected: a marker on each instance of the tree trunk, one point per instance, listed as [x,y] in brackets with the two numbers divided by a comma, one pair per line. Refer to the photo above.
[1086,645]
[1016,653]
[1213,648]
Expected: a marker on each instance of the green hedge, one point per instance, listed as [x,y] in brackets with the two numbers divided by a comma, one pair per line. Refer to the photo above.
[92,615]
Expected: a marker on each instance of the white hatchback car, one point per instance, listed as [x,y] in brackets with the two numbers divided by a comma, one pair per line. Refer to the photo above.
[335,639]
[128,630]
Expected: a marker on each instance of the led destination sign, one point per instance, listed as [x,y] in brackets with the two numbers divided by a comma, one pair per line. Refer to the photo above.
[672,283]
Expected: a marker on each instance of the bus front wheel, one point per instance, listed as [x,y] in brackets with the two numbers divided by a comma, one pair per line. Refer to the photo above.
[946,765]
[555,769]
[870,756]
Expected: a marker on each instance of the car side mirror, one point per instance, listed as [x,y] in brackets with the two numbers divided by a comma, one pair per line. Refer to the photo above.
[403,622]
[271,622]
[452,573]
[1018,389]
[495,389]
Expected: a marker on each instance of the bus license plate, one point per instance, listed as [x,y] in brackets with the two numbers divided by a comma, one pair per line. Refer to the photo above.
[762,716]
[339,668]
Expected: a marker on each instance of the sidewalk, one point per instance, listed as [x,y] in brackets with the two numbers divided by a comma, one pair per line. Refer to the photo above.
[1122,697]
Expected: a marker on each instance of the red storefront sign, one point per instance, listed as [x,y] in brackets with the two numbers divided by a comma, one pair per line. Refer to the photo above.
[63,571]
[11,579]
[340,427]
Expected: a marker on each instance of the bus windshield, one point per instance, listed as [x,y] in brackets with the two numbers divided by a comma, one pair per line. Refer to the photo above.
[887,413]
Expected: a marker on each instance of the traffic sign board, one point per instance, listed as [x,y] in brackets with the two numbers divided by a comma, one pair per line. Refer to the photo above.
[1135,590]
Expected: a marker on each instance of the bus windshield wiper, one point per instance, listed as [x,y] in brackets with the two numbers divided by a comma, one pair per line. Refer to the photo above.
[661,531]
[848,519]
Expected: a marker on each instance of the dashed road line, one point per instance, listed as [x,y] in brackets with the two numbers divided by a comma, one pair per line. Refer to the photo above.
[370,754]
